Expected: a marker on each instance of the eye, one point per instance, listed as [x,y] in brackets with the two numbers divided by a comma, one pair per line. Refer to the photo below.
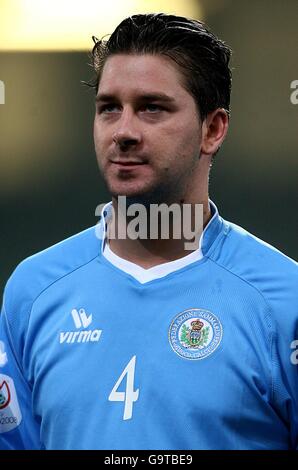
[108,108]
[152,108]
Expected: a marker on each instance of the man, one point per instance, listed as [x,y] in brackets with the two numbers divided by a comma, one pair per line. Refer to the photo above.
[126,342]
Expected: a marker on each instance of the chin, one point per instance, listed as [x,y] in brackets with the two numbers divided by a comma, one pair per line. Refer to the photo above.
[132,197]
[143,197]
[136,192]
[128,190]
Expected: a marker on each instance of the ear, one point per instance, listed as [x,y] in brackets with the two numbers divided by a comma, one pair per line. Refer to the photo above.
[214,130]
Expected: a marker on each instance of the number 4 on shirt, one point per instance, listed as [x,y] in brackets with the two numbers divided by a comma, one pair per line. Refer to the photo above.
[129,396]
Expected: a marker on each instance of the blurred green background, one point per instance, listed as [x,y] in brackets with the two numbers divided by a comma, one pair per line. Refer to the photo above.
[49,181]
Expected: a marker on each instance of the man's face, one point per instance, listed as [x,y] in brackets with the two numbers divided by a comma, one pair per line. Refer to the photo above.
[147,131]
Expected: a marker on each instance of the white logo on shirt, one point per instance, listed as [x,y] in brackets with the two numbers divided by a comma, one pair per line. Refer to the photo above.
[3,355]
[81,320]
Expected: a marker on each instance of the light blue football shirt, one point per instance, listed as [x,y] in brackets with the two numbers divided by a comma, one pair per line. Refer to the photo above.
[200,353]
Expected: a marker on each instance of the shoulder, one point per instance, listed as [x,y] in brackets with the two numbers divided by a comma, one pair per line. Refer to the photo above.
[250,252]
[266,269]
[33,275]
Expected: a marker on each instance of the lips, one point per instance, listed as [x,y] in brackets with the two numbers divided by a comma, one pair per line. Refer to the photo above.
[128,163]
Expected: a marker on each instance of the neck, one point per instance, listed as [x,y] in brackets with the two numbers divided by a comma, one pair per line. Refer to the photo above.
[146,240]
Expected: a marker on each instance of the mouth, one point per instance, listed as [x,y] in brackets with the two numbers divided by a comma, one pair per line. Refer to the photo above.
[127,164]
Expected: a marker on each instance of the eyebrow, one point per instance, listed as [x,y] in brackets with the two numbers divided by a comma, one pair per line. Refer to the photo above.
[104,97]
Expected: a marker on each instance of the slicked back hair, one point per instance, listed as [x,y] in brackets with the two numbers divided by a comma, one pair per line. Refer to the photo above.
[202,58]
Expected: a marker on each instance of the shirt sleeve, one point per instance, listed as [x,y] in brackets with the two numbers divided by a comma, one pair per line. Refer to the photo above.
[285,362]
[18,428]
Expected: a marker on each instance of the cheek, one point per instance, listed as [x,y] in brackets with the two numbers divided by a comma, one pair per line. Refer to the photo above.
[191,144]
[183,130]
[98,146]
[98,134]
[95,133]
[183,139]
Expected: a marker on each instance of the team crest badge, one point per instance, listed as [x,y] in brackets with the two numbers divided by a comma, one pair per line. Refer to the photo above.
[10,413]
[195,333]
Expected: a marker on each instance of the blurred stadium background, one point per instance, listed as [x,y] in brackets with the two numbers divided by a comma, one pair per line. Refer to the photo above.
[49,181]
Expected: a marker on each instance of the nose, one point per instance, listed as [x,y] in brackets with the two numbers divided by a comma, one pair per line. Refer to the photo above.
[127,133]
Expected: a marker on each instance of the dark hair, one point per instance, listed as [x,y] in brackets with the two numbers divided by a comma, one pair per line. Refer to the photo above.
[202,58]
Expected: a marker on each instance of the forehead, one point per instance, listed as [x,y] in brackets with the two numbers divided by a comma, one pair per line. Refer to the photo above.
[142,73]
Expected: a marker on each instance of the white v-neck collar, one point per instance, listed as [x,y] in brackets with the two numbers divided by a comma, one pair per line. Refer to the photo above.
[141,274]
[145,275]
